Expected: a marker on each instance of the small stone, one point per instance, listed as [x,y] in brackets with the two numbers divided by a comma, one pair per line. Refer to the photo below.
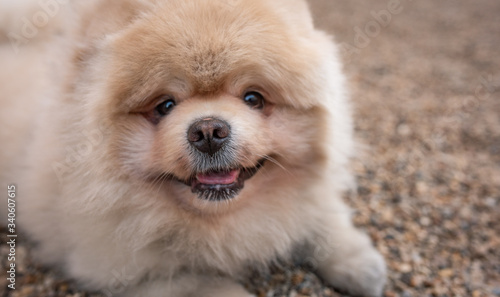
[490,202]
[406,278]
[429,283]
[421,187]
[416,281]
[305,291]
[294,293]
[446,273]
[415,257]
[26,291]
[63,287]
[297,278]
[388,215]
[405,268]
[496,291]
[403,130]
[278,278]
[425,221]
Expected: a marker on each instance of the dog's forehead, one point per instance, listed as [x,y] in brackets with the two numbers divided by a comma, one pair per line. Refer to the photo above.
[207,45]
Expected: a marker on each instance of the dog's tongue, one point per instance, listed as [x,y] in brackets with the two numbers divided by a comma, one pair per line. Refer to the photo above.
[218,178]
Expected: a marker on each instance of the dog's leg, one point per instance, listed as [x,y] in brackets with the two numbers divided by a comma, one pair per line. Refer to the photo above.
[190,286]
[347,260]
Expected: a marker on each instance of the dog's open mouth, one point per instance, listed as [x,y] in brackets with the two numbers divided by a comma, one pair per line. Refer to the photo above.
[218,185]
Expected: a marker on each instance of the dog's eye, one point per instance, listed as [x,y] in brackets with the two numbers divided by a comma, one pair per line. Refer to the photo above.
[165,107]
[254,99]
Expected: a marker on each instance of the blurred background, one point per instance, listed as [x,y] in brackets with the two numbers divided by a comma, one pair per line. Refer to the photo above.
[425,81]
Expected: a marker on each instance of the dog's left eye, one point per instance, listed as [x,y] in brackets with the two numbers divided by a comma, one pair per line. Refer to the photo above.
[254,100]
[165,107]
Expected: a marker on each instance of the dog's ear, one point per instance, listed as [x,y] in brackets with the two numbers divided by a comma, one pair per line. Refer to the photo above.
[97,19]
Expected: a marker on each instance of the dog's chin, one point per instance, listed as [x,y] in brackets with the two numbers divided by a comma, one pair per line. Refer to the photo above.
[220,184]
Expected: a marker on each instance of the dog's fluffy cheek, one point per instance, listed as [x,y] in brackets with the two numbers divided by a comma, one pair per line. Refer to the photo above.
[294,133]
[169,152]
[146,149]
[136,138]
[251,138]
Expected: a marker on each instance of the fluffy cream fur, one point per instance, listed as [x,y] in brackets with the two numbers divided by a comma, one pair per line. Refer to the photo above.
[86,160]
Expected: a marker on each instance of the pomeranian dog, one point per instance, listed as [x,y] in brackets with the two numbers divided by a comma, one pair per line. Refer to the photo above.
[160,148]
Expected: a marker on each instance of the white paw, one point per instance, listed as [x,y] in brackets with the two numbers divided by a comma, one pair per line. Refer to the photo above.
[360,273]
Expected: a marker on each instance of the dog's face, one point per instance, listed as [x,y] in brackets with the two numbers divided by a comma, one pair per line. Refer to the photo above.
[212,104]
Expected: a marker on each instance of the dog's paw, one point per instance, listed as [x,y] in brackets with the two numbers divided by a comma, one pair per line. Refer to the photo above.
[360,273]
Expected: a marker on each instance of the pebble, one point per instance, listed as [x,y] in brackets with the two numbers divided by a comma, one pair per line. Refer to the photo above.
[297,278]
[490,201]
[425,221]
[446,273]
[416,281]
[405,268]
[404,130]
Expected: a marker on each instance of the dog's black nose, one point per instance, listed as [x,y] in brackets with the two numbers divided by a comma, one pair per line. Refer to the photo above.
[208,135]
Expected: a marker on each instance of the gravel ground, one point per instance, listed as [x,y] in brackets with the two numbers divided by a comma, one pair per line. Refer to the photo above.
[426,88]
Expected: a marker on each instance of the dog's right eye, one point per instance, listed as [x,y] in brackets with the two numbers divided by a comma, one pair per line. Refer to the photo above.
[254,100]
[165,107]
